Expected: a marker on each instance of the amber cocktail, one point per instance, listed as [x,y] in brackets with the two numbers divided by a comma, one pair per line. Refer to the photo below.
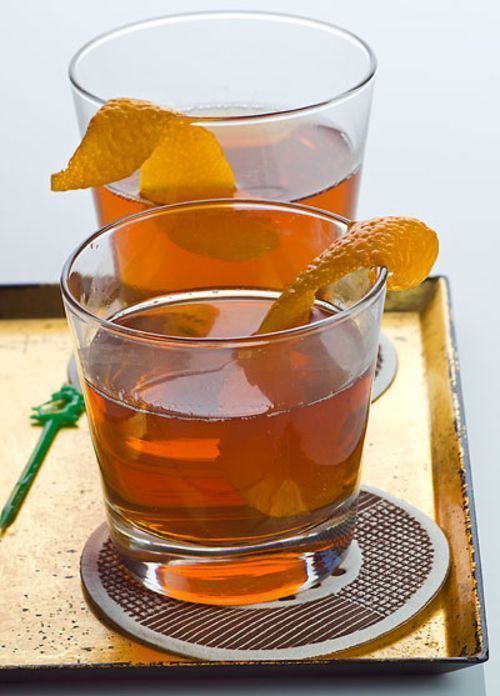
[287,98]
[230,461]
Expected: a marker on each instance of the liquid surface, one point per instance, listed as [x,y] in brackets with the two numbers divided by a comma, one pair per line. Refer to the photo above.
[226,445]
[310,163]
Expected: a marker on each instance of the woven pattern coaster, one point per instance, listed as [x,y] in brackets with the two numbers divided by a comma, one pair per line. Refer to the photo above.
[395,566]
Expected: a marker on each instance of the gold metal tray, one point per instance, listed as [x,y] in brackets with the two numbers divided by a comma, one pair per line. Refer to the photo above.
[416,448]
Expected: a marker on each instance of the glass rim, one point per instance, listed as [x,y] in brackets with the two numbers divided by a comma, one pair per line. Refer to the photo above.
[365,301]
[277,16]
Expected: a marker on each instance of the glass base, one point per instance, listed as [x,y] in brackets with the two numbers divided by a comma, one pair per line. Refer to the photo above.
[235,575]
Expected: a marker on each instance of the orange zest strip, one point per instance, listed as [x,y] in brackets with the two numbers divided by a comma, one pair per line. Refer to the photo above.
[405,246]
[119,138]
[194,320]
[179,160]
[187,163]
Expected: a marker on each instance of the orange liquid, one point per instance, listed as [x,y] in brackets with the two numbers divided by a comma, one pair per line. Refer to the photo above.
[231,449]
[312,164]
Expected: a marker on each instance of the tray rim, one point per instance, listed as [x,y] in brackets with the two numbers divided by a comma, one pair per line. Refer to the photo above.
[308,665]
[459,409]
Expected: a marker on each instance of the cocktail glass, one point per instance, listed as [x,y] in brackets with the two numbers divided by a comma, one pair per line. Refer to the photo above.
[230,461]
[288,99]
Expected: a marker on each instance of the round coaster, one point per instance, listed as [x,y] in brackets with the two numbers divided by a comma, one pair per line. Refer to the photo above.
[394,568]
[386,367]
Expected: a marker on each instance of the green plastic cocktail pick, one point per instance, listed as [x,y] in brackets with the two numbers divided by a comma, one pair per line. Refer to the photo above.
[62,410]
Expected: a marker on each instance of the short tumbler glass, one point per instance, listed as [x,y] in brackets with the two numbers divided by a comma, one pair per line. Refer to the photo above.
[288,99]
[230,461]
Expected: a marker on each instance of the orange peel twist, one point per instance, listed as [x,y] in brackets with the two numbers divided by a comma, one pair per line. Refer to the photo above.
[178,159]
[405,246]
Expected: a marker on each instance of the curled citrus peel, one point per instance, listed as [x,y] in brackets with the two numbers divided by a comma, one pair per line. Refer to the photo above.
[178,160]
[405,246]
[186,164]
[190,320]
[232,236]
